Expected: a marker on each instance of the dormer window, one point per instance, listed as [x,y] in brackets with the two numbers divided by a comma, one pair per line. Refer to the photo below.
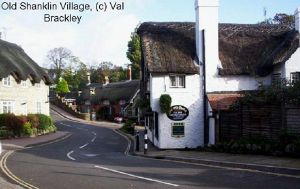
[7,81]
[24,83]
[295,77]
[177,81]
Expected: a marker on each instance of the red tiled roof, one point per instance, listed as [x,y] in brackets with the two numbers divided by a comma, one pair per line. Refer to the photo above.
[223,101]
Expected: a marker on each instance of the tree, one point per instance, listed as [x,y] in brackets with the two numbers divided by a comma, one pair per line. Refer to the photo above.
[62,87]
[59,58]
[134,54]
[76,77]
[281,18]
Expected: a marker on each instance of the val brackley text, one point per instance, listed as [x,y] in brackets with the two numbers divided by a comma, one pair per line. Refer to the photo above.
[62,18]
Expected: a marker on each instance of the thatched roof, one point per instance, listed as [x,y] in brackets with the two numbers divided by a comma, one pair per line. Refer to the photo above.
[244,49]
[114,92]
[169,47]
[14,61]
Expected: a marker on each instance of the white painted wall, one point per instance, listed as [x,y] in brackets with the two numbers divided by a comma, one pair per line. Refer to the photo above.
[292,65]
[29,95]
[188,97]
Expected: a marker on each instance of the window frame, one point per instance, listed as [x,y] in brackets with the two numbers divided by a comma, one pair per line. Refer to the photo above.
[177,81]
[177,124]
[297,74]
[7,82]
[276,78]
[24,83]
[38,107]
[10,104]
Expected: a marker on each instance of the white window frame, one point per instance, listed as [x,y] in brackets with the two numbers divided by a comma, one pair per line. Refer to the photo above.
[7,103]
[178,124]
[39,107]
[24,108]
[7,81]
[177,83]
[24,84]
[295,77]
[38,85]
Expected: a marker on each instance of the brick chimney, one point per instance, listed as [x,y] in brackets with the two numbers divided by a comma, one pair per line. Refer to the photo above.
[129,73]
[297,19]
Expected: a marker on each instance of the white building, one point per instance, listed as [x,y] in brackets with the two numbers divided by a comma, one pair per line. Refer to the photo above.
[230,58]
[24,86]
[169,67]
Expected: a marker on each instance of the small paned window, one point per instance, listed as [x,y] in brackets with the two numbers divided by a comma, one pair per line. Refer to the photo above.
[7,107]
[276,78]
[295,77]
[39,107]
[177,81]
[7,81]
[178,129]
[24,83]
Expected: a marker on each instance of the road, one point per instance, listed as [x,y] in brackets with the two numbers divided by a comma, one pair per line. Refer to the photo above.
[93,158]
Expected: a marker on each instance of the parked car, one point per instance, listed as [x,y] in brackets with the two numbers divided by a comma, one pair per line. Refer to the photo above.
[118,119]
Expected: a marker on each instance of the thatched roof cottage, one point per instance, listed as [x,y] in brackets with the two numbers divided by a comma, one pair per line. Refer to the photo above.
[24,84]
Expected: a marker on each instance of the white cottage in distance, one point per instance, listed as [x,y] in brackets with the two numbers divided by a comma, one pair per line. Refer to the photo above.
[229,58]
[24,86]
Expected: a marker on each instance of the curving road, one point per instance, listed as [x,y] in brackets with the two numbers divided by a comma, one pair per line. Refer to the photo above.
[93,158]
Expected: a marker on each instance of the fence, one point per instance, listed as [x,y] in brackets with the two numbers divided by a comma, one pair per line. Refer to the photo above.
[259,121]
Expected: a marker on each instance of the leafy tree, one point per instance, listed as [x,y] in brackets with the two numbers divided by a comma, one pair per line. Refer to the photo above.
[280,18]
[62,87]
[134,54]
[58,59]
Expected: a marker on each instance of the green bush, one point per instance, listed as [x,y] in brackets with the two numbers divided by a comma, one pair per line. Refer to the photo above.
[44,122]
[27,130]
[34,120]
[5,133]
[165,102]
[128,127]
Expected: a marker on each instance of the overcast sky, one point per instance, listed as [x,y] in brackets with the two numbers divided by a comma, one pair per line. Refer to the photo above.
[104,36]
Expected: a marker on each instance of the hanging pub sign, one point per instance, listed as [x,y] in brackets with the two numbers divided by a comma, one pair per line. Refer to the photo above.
[178,113]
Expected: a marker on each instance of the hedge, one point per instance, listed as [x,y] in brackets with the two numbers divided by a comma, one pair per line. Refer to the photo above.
[31,125]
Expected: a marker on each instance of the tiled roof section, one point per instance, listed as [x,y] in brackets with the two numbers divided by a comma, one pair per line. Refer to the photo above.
[244,49]
[169,47]
[14,61]
[223,101]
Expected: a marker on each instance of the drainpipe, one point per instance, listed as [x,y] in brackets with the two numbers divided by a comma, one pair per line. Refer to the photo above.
[205,108]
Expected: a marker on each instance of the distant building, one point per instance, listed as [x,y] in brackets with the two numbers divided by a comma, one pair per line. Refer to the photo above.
[24,86]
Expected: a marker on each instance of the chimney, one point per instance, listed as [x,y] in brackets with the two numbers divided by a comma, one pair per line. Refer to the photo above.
[297,19]
[106,80]
[88,78]
[207,37]
[129,73]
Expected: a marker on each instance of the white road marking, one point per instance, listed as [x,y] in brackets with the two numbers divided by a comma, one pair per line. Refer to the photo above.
[93,140]
[66,125]
[135,176]
[94,133]
[70,157]
[84,145]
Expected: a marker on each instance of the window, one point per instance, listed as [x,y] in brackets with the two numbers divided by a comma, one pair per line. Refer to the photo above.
[178,129]
[7,107]
[24,108]
[24,83]
[295,77]
[276,78]
[38,85]
[39,107]
[177,81]
[7,81]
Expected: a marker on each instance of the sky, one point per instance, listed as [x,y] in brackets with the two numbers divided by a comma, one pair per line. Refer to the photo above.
[103,36]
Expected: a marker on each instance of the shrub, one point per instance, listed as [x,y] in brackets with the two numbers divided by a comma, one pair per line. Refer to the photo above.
[34,120]
[14,124]
[128,127]
[5,133]
[45,122]
[27,130]
[165,102]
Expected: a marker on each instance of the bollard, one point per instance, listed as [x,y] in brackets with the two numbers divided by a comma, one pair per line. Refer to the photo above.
[137,140]
[146,142]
